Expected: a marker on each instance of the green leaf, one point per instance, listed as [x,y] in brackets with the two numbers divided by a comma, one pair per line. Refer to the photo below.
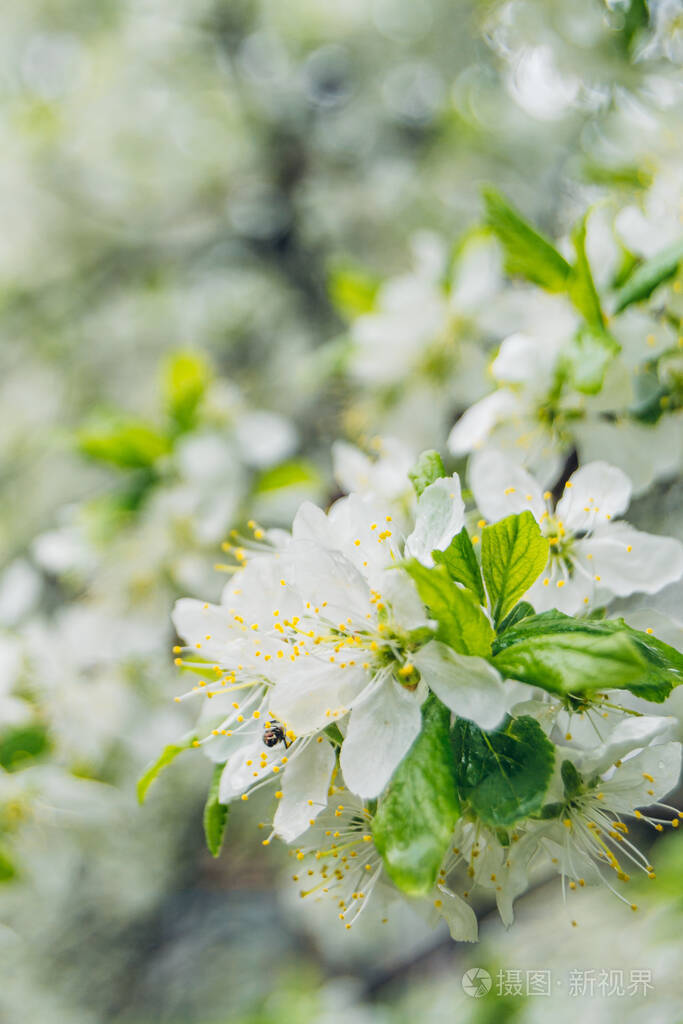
[352,291]
[587,358]
[294,473]
[333,733]
[185,380]
[8,868]
[168,754]
[582,290]
[428,469]
[123,442]
[527,253]
[522,610]
[630,21]
[461,562]
[415,819]
[503,776]
[553,810]
[461,622]
[648,392]
[627,263]
[21,744]
[513,554]
[617,175]
[582,656]
[215,814]
[648,275]
[571,779]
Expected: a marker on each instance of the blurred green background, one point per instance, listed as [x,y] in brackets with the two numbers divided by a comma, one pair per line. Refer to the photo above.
[197,199]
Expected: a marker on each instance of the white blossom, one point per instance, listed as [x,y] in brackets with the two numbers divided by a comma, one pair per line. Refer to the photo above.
[590,843]
[592,556]
[324,628]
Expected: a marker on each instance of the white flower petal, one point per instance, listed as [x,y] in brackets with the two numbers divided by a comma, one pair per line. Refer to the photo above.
[595,493]
[567,858]
[327,579]
[522,359]
[353,469]
[399,591]
[645,452]
[440,515]
[219,713]
[478,274]
[645,779]
[458,915]
[386,475]
[627,560]
[502,488]
[311,524]
[513,878]
[569,597]
[669,630]
[304,788]
[247,766]
[264,437]
[254,591]
[381,731]
[314,692]
[208,625]
[470,687]
[476,423]
[632,733]
[354,522]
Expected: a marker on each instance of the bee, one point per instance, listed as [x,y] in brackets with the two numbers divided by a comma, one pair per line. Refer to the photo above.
[274,734]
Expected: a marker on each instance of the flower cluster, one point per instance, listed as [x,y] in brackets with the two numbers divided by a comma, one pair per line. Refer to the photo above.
[592,361]
[427,708]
